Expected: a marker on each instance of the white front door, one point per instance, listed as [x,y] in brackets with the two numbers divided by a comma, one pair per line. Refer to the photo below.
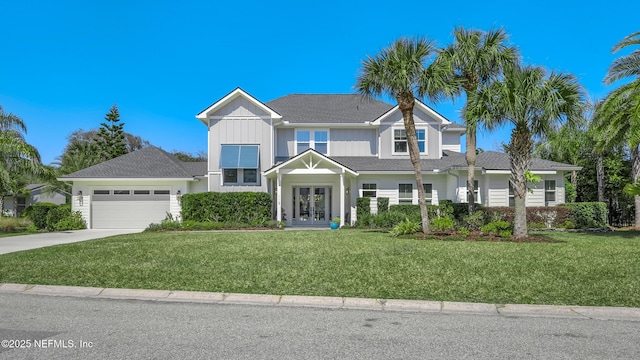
[311,205]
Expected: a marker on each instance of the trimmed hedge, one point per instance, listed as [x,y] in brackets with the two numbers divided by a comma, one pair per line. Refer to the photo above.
[383,204]
[363,206]
[588,214]
[232,207]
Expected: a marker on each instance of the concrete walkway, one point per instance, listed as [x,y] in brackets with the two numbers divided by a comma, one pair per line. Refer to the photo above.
[11,244]
[443,307]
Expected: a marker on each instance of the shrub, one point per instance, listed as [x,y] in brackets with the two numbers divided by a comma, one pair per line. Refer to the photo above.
[475,221]
[57,214]
[383,204]
[363,206]
[440,224]
[406,227]
[588,214]
[72,221]
[364,221]
[460,210]
[389,219]
[568,224]
[413,211]
[38,214]
[8,224]
[498,228]
[239,207]
[463,231]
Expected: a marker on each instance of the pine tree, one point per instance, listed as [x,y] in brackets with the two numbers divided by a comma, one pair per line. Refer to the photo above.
[111,136]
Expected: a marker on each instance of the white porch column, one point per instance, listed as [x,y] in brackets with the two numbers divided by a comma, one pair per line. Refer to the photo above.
[279,197]
[342,198]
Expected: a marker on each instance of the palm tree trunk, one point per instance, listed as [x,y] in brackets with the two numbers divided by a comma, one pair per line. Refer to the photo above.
[600,177]
[406,105]
[520,156]
[471,163]
[635,175]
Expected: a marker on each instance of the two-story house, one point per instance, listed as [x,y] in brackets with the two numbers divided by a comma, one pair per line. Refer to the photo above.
[314,153]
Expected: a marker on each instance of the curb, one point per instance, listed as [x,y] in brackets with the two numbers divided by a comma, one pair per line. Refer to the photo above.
[435,307]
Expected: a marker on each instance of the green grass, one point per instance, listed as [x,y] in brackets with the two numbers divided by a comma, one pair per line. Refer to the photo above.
[574,269]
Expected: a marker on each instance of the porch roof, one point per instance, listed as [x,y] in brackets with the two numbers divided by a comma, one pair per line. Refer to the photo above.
[309,154]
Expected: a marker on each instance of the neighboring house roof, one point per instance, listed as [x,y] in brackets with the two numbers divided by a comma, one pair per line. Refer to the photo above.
[149,162]
[328,108]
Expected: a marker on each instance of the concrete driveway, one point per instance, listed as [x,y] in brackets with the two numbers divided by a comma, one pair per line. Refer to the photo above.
[27,242]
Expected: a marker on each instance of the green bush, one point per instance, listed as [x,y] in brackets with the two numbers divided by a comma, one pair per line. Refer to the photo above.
[56,214]
[363,206]
[406,227]
[460,210]
[72,221]
[389,219]
[414,210]
[475,221]
[463,231]
[588,214]
[232,207]
[498,228]
[442,224]
[364,221]
[8,224]
[548,216]
[383,204]
[38,214]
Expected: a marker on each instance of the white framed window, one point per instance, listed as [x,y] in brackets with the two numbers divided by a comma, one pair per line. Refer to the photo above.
[312,139]
[476,192]
[428,193]
[369,190]
[239,164]
[405,193]
[549,191]
[400,144]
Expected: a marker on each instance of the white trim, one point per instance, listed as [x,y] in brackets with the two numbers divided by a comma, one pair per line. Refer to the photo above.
[312,153]
[401,127]
[126,179]
[421,106]
[238,92]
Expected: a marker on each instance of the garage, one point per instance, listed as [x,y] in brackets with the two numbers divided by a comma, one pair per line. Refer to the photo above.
[128,208]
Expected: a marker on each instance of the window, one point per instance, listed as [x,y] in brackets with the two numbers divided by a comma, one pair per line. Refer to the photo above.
[101,192]
[160,192]
[400,141]
[250,175]
[400,144]
[230,175]
[512,199]
[549,191]
[369,190]
[316,139]
[405,194]
[121,192]
[428,193]
[239,164]
[476,192]
[141,192]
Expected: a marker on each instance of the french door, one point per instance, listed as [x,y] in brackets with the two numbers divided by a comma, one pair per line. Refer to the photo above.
[311,205]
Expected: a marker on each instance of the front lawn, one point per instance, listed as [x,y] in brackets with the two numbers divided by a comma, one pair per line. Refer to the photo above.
[573,269]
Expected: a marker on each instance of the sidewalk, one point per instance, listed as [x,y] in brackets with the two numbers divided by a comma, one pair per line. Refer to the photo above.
[443,307]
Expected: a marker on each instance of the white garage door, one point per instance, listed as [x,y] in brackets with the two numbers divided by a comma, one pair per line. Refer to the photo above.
[128,208]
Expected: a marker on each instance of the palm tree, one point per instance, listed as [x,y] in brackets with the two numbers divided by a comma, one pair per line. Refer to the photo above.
[400,71]
[17,157]
[621,109]
[535,103]
[474,60]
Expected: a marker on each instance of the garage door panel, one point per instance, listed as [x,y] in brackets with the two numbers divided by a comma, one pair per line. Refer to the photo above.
[135,214]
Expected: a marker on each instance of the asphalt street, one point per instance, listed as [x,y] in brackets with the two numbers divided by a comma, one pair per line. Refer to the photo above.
[52,327]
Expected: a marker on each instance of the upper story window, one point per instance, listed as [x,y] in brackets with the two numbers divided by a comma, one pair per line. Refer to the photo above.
[400,145]
[312,139]
[239,164]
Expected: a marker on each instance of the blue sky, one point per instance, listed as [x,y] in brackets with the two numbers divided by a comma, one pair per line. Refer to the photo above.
[65,63]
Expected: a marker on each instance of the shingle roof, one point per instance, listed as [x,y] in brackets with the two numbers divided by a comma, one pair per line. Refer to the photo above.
[451,160]
[149,162]
[328,108]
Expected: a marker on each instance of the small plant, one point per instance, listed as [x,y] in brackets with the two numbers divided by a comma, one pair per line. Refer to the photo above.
[442,224]
[537,225]
[497,228]
[463,231]
[474,221]
[72,221]
[406,227]
[568,224]
[8,224]
[336,220]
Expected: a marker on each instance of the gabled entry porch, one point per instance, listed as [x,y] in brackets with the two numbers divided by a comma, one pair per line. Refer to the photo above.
[311,189]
